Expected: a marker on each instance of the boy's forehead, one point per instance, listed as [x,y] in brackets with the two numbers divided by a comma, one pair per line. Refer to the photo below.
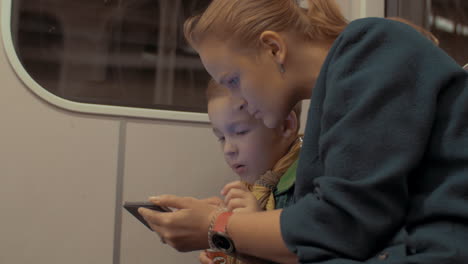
[227,109]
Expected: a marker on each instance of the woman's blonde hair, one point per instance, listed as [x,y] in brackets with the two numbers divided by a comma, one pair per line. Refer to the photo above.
[420,29]
[241,22]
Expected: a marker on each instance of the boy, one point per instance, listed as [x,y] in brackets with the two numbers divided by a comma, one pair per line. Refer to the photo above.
[265,159]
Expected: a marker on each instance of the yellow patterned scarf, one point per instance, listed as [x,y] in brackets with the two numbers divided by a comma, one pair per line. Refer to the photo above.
[263,188]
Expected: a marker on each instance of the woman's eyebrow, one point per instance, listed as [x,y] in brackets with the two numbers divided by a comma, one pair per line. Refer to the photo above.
[223,79]
[216,131]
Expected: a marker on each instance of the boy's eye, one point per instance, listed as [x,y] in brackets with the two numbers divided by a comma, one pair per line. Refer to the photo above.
[242,132]
[221,139]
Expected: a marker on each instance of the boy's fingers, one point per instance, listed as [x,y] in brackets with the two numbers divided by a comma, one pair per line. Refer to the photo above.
[243,186]
[235,184]
[238,210]
[236,204]
[234,193]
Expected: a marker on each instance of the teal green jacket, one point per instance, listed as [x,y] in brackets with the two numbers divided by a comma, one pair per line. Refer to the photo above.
[383,171]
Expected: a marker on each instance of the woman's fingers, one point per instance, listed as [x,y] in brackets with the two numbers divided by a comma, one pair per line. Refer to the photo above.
[184,229]
[171,201]
[216,201]
[148,215]
[203,257]
[153,218]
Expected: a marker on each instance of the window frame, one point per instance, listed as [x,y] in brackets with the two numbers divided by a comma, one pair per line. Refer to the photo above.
[393,8]
[96,109]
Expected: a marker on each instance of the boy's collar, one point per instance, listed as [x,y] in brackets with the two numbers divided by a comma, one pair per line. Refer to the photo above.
[288,179]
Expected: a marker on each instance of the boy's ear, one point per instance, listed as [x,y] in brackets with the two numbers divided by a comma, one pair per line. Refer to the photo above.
[290,125]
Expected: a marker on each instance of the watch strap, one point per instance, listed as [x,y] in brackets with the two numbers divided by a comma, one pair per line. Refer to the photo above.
[221,222]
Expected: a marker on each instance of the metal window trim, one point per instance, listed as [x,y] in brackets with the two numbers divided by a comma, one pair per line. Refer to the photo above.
[41,92]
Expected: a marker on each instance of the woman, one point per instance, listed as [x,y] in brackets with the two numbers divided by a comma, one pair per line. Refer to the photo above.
[383,173]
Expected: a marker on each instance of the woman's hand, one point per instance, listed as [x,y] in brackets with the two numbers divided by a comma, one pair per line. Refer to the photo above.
[185,229]
[204,259]
[239,199]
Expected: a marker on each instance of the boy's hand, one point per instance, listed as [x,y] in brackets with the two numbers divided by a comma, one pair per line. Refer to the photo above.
[239,199]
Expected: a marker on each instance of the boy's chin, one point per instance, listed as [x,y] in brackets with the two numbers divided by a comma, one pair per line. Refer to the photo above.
[249,178]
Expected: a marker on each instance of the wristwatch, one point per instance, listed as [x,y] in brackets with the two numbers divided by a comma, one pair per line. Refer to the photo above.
[218,237]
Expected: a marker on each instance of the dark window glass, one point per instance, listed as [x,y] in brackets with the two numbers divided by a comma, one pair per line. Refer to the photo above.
[113,52]
[446,19]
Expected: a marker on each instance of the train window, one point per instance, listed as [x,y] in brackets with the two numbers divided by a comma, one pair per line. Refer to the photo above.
[446,19]
[128,53]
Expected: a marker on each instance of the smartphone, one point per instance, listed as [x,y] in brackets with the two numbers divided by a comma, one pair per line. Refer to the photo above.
[132,207]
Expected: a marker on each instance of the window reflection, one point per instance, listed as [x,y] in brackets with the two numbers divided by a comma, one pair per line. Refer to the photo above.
[116,52]
[446,19]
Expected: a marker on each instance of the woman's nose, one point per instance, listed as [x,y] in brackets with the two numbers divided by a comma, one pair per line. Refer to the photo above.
[240,104]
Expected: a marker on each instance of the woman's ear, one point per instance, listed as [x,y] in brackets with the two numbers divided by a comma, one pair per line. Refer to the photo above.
[275,45]
[290,126]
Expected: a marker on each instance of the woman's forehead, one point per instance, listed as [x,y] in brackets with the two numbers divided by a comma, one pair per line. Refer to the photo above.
[218,59]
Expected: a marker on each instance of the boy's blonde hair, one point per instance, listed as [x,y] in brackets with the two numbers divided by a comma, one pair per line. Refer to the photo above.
[241,22]
[215,90]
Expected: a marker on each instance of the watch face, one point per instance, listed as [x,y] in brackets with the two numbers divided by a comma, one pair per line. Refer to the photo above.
[222,242]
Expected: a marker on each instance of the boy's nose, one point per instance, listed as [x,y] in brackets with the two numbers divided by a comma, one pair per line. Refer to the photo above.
[229,149]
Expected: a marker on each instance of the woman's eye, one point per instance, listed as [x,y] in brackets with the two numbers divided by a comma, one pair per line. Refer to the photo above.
[234,82]
[221,139]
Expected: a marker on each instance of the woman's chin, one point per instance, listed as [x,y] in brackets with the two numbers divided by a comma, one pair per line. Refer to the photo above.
[270,122]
